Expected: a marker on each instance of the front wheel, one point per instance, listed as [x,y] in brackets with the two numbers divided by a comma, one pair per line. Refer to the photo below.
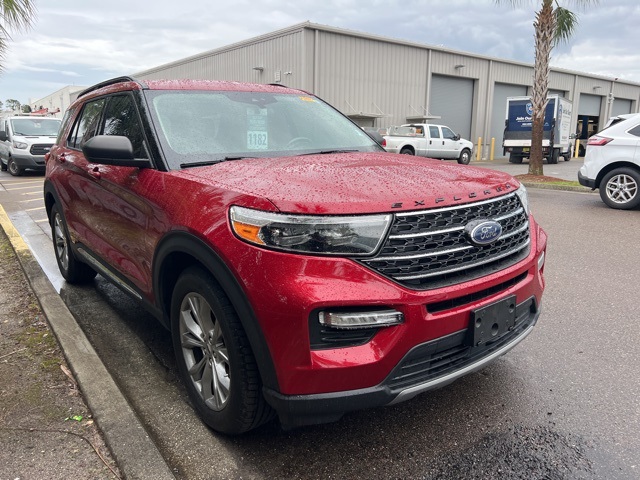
[619,188]
[553,158]
[465,157]
[13,168]
[214,358]
[72,269]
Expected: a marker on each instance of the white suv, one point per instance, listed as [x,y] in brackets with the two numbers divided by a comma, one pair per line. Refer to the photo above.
[612,163]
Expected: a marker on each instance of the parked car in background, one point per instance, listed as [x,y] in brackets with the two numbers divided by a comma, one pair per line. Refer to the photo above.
[300,269]
[427,140]
[612,163]
[25,140]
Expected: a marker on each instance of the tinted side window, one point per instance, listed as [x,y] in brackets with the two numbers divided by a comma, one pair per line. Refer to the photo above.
[434,132]
[121,119]
[635,131]
[87,124]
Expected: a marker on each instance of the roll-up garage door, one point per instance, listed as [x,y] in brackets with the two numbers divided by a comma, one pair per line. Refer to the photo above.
[589,105]
[499,109]
[620,107]
[452,101]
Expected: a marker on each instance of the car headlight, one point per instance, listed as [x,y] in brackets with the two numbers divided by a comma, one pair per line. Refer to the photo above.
[524,200]
[318,235]
[20,145]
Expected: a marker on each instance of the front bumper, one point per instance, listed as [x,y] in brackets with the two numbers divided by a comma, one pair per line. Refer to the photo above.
[426,367]
[33,162]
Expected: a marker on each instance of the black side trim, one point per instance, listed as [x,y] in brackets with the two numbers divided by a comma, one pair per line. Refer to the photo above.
[179,250]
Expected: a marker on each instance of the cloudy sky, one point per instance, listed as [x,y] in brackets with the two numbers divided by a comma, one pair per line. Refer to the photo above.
[82,42]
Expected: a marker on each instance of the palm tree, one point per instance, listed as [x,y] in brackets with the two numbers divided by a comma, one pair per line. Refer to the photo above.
[553,24]
[15,15]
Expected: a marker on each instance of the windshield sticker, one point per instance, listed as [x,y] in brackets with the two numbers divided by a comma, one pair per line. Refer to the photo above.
[257,136]
[306,99]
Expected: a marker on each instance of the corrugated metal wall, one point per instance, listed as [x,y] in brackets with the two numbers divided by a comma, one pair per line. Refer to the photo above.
[365,77]
[383,81]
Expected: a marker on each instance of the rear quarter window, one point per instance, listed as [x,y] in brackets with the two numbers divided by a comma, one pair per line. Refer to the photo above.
[635,131]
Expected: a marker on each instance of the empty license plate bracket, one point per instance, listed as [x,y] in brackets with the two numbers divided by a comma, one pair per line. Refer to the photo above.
[491,322]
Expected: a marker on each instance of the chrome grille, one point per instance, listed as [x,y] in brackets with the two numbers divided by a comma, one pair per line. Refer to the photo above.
[429,249]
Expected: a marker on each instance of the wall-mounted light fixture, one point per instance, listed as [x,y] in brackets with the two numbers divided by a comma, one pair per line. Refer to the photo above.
[596,87]
[459,66]
[260,69]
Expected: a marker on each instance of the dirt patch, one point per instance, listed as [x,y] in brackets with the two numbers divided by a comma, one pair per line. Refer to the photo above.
[46,429]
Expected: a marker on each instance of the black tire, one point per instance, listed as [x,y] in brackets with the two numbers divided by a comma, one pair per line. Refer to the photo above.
[515,158]
[208,339]
[407,151]
[73,270]
[465,157]
[553,158]
[581,150]
[620,188]
[13,168]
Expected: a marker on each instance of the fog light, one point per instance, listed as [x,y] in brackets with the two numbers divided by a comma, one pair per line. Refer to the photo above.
[346,320]
[541,261]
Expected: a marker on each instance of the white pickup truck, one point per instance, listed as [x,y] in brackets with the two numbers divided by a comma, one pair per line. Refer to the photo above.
[427,140]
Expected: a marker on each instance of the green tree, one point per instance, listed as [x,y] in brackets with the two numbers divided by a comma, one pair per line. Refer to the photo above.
[15,15]
[13,105]
[26,108]
[553,24]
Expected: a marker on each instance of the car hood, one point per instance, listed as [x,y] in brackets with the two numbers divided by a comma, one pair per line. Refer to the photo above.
[355,182]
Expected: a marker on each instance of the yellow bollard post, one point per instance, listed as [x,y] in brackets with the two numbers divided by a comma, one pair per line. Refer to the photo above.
[479,151]
[575,153]
[493,148]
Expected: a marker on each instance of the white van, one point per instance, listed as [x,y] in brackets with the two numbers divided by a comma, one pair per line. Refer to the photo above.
[24,141]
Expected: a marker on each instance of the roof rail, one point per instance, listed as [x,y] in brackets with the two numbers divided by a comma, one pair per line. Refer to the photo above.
[111,82]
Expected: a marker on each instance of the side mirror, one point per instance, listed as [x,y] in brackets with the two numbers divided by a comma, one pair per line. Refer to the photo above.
[3,137]
[456,137]
[112,150]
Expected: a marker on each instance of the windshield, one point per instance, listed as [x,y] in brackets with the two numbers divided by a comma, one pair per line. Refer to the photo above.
[196,127]
[31,127]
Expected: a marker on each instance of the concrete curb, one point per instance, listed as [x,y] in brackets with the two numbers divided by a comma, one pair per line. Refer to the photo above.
[132,448]
[547,186]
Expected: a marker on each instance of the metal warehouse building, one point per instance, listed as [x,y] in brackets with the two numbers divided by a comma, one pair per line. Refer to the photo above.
[380,82]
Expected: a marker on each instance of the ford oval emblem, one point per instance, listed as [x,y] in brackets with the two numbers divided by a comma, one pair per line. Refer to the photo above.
[483,232]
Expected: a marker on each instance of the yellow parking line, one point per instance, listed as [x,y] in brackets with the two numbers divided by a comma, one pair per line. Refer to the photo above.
[16,240]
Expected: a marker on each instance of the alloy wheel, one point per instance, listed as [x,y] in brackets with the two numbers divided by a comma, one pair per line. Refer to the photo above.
[204,351]
[60,242]
[622,188]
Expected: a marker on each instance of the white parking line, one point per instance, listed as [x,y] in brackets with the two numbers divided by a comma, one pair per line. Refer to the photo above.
[33,209]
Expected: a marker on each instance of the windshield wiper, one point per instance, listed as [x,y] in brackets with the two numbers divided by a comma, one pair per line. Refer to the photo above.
[326,152]
[211,162]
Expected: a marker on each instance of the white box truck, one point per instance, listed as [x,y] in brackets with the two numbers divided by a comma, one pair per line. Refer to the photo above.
[556,139]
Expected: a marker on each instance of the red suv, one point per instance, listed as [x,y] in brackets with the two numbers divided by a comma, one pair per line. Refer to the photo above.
[300,269]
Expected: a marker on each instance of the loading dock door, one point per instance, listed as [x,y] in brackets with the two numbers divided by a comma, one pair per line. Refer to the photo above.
[452,101]
[620,107]
[499,110]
